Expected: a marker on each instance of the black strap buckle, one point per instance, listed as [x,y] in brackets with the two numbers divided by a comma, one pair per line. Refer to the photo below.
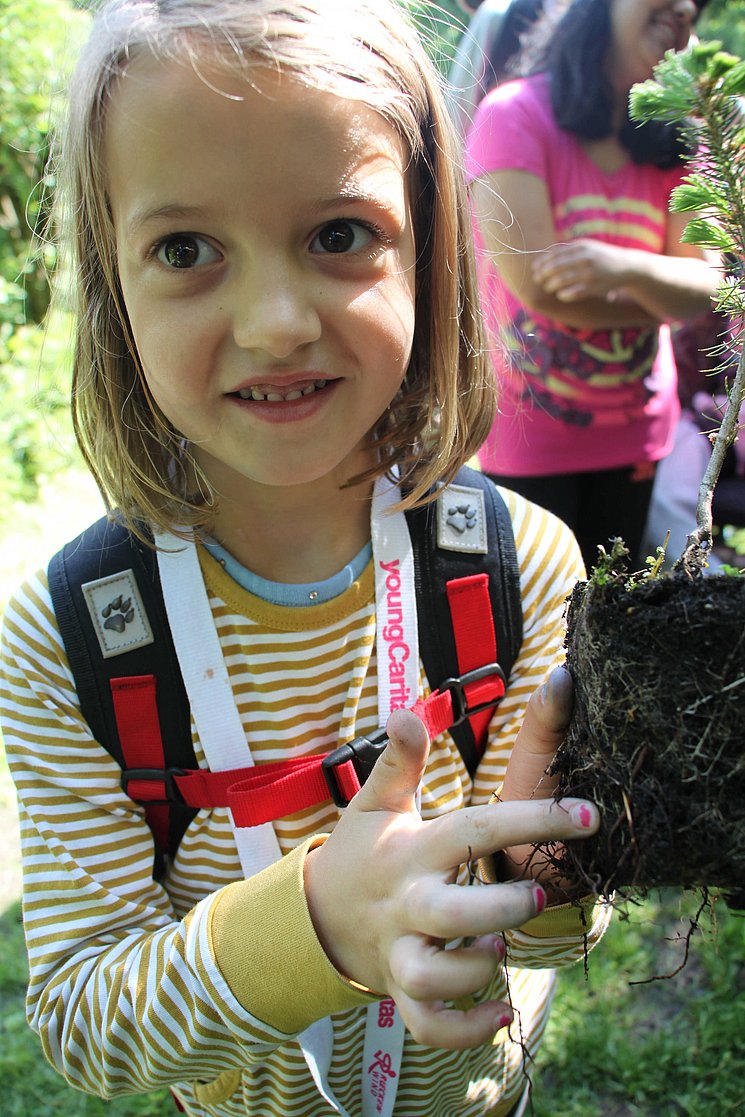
[456,686]
[363,752]
[165,776]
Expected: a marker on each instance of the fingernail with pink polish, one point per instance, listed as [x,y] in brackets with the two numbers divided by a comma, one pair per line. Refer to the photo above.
[504,1021]
[540,899]
[582,816]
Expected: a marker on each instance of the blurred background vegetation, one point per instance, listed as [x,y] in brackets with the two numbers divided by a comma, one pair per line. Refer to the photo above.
[664,1049]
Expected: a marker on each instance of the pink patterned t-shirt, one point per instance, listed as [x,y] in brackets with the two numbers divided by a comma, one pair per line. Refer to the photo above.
[572,399]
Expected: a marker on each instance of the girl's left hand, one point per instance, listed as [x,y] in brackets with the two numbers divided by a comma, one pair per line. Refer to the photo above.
[582,269]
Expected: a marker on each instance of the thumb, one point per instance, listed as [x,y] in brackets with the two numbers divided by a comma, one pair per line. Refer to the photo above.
[546,720]
[393,782]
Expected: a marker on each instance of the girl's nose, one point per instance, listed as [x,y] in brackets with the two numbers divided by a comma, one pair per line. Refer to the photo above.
[275,311]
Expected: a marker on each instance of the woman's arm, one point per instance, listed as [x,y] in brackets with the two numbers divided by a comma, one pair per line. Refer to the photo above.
[584,284]
[677,285]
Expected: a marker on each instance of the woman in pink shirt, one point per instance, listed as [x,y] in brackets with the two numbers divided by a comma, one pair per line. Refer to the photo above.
[582,267]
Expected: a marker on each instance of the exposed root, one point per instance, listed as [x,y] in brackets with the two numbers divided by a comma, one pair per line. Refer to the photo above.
[692,929]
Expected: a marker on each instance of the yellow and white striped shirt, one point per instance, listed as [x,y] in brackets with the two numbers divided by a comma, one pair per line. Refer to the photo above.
[201,982]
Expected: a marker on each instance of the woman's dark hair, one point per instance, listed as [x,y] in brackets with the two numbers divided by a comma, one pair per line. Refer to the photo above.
[506,51]
[581,95]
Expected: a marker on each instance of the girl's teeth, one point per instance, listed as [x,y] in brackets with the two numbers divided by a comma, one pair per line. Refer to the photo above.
[278,397]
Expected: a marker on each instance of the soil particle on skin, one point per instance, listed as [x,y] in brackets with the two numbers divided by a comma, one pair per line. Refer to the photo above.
[657,738]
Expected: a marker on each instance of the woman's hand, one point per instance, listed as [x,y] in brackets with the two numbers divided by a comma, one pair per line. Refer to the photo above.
[383,899]
[583,269]
[674,285]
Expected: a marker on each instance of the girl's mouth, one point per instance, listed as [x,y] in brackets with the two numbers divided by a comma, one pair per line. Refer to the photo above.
[271,393]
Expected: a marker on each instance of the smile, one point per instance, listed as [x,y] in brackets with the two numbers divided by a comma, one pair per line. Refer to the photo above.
[676,33]
[273,394]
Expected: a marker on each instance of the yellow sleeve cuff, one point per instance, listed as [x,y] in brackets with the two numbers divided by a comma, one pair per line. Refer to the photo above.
[264,943]
[563,920]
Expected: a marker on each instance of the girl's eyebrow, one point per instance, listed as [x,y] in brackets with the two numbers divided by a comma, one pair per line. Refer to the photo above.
[348,198]
[350,195]
[172,211]
[175,211]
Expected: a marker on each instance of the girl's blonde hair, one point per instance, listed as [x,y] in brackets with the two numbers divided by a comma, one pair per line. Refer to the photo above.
[361,49]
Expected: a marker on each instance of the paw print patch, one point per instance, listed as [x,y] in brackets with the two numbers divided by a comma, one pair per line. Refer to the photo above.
[461,520]
[117,613]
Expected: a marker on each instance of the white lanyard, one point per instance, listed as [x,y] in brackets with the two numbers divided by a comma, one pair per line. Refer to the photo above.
[397,649]
[225,746]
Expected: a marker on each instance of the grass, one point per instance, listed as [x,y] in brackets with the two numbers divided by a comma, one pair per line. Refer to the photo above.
[666,1048]
[669,1048]
[30,1086]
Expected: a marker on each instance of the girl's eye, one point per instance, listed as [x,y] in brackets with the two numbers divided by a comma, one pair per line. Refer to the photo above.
[183,250]
[342,237]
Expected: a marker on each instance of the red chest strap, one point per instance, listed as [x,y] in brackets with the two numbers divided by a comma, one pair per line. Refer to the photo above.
[269,791]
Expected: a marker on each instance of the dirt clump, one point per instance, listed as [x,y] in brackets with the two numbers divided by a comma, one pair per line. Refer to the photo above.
[657,737]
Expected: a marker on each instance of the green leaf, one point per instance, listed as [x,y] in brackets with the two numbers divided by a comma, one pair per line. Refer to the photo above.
[720,64]
[708,234]
[698,59]
[730,297]
[696,193]
[733,83]
[651,100]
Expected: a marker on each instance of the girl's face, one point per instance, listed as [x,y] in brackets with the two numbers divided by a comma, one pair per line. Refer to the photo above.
[267,261]
[641,32]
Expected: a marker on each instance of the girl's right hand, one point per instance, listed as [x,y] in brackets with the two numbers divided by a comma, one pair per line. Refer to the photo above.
[382,895]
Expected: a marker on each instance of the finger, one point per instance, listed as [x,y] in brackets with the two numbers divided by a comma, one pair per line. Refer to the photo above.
[554,259]
[572,293]
[436,1025]
[546,720]
[474,832]
[447,911]
[394,780]
[549,278]
[426,972]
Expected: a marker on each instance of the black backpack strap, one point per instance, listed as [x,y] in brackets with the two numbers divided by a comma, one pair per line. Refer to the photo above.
[103,551]
[435,567]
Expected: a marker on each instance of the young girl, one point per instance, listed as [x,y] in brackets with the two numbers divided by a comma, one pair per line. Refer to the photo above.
[275,297]
[582,266]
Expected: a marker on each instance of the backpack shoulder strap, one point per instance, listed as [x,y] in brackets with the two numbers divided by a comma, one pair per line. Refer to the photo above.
[437,565]
[108,601]
[106,594]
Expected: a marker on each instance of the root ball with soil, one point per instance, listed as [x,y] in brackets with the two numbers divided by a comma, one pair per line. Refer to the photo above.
[657,738]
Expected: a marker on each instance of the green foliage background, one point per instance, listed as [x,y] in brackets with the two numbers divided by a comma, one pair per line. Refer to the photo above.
[37,39]
[724,20]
